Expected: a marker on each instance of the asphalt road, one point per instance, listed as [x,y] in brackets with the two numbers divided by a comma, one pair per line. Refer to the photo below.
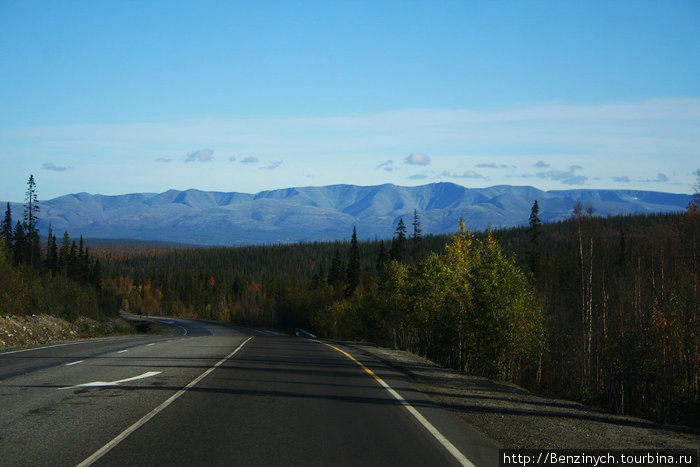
[220,395]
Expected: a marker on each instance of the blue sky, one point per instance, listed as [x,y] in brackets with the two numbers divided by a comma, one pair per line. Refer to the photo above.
[115,97]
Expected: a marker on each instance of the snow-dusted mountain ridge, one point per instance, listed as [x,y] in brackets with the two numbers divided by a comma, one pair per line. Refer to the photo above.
[324,213]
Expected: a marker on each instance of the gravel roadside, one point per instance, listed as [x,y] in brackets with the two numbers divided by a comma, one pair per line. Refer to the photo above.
[517,419]
[26,331]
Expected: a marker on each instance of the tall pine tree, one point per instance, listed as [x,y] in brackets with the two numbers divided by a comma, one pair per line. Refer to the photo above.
[533,255]
[31,216]
[6,228]
[416,237]
[51,261]
[352,276]
[398,243]
[63,254]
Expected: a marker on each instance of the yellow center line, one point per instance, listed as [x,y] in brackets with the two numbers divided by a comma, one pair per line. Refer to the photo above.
[371,373]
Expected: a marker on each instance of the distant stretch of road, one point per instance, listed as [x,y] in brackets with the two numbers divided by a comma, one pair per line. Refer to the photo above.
[220,395]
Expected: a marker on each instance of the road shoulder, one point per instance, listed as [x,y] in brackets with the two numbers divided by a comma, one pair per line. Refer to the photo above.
[22,332]
[517,419]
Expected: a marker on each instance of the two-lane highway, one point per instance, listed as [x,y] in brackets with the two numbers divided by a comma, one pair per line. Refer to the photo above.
[219,395]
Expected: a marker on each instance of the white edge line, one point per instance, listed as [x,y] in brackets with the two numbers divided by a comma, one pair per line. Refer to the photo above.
[456,453]
[51,346]
[124,434]
[451,448]
[123,351]
[74,363]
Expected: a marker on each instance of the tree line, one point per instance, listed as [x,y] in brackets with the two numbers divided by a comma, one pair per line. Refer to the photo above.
[600,310]
[63,281]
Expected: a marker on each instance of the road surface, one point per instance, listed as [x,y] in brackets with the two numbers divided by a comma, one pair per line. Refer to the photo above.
[220,395]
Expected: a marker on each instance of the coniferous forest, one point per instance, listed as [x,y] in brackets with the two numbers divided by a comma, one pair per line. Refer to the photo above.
[600,310]
[44,277]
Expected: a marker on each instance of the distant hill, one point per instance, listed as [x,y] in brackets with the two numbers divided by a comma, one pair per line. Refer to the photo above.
[324,213]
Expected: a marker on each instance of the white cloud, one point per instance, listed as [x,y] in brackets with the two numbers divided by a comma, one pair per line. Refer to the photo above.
[467,174]
[387,165]
[54,167]
[250,160]
[621,179]
[418,159]
[273,165]
[494,166]
[567,177]
[203,155]
[541,164]
[660,178]
[164,159]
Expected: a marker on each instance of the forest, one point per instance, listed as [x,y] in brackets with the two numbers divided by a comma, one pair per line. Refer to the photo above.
[593,309]
[41,277]
[599,310]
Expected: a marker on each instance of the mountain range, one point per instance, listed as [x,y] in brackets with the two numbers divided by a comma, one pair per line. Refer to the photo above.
[324,213]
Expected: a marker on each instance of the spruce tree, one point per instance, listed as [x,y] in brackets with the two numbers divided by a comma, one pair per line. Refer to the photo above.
[6,229]
[83,263]
[63,254]
[534,234]
[73,261]
[398,243]
[31,216]
[416,237]
[352,275]
[21,244]
[51,261]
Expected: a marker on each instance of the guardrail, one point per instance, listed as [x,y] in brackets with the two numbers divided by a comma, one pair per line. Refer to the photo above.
[301,333]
